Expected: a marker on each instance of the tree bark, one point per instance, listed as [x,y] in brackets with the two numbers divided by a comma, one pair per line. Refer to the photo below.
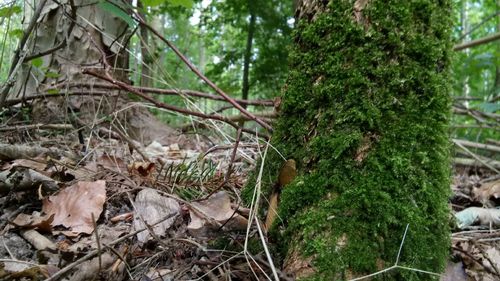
[146,56]
[69,36]
[248,52]
[496,90]
[365,116]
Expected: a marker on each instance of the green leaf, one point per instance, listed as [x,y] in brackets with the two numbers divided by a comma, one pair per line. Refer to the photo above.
[16,33]
[152,3]
[52,91]
[185,3]
[38,62]
[115,10]
[489,107]
[50,74]
[6,12]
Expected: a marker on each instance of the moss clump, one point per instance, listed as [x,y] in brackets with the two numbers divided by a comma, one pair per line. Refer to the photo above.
[365,113]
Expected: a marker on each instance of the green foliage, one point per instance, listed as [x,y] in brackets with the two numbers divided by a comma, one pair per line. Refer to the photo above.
[476,70]
[365,115]
[225,25]
[213,36]
[118,11]
[16,33]
[6,12]
[184,3]
[38,62]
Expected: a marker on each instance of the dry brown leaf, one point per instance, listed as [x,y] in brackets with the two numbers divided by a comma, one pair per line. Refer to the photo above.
[112,163]
[218,208]
[487,193]
[151,207]
[144,169]
[42,223]
[73,207]
[38,166]
[272,210]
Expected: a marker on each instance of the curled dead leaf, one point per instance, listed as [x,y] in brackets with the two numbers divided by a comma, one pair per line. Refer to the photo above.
[216,208]
[73,207]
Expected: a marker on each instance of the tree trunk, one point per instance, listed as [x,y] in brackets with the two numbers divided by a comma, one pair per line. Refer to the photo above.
[365,116]
[496,90]
[67,38]
[248,52]
[146,56]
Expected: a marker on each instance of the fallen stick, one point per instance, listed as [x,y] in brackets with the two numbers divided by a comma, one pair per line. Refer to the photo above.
[17,151]
[474,163]
[38,126]
[489,147]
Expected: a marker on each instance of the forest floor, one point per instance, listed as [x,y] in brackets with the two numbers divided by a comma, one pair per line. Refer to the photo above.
[118,210]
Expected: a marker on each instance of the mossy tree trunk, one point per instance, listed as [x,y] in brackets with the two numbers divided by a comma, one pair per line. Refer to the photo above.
[364,114]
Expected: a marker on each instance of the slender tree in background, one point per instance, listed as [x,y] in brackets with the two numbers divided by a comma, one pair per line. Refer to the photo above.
[248,50]
[250,40]
[365,115]
[496,91]
[145,50]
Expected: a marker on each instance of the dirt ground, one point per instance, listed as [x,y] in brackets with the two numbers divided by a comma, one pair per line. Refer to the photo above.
[115,209]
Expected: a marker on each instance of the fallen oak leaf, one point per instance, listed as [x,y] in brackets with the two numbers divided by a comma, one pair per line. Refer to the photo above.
[43,223]
[73,207]
[150,207]
[216,208]
[488,193]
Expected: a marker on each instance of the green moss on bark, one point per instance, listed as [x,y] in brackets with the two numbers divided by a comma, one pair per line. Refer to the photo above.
[365,114]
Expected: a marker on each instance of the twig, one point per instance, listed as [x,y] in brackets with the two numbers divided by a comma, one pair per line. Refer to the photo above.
[480,126]
[473,162]
[37,126]
[478,25]
[460,109]
[19,261]
[94,92]
[61,273]
[186,92]
[98,242]
[233,155]
[396,266]
[161,104]
[35,96]
[492,141]
[478,145]
[7,249]
[224,147]
[12,151]
[229,169]
[474,259]
[476,157]
[254,207]
[485,254]
[203,77]
[488,179]
[477,42]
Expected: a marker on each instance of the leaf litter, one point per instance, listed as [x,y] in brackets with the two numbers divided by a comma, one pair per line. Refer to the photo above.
[115,216]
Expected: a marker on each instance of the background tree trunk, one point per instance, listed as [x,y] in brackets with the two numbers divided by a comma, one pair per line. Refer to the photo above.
[248,52]
[365,115]
[78,43]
